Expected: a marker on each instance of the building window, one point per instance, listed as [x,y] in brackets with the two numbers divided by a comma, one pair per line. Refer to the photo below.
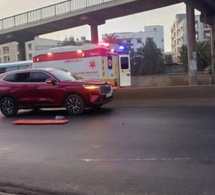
[6,50]
[197,36]
[139,41]
[206,26]
[30,46]
[30,56]
[6,58]
[128,41]
[196,25]
[207,34]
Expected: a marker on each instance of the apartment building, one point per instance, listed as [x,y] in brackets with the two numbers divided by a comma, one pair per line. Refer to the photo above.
[39,44]
[9,52]
[137,39]
[179,34]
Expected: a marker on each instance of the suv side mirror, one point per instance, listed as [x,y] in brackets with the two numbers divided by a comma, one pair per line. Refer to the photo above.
[51,80]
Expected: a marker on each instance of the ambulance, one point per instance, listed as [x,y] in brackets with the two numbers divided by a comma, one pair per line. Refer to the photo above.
[92,61]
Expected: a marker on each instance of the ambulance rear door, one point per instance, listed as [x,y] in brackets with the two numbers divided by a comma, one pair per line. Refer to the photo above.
[124,70]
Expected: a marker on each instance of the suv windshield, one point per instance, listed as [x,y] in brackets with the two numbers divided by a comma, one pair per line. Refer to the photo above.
[63,75]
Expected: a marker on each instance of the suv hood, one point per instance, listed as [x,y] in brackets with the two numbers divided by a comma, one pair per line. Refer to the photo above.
[93,81]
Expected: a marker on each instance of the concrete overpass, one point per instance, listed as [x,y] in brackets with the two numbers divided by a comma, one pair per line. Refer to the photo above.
[70,14]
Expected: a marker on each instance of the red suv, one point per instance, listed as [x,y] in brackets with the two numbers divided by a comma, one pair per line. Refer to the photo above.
[49,88]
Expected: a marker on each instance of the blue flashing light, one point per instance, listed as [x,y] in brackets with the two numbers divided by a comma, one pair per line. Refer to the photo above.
[121,47]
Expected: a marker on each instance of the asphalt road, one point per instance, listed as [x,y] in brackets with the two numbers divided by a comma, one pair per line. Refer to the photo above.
[112,151]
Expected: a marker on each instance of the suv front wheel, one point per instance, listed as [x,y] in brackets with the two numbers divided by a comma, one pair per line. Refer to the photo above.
[74,105]
[8,106]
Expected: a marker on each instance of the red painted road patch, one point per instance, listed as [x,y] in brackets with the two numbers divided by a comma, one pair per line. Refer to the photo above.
[39,122]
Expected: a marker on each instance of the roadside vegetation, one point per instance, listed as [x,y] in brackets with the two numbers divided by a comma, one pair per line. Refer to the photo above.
[203,50]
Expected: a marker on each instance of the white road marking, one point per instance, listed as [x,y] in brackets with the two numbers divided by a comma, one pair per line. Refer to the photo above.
[135,159]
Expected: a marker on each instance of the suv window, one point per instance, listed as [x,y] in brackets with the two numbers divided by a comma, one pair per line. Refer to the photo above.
[22,77]
[39,77]
[9,77]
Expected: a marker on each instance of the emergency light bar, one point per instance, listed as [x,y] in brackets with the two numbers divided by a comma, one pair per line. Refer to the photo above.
[121,47]
[104,44]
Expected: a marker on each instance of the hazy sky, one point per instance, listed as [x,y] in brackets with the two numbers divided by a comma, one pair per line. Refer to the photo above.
[132,23]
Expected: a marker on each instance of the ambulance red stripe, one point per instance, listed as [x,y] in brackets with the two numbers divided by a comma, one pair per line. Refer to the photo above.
[70,55]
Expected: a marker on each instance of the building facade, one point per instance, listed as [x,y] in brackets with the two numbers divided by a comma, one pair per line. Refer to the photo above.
[9,52]
[179,34]
[137,39]
[39,44]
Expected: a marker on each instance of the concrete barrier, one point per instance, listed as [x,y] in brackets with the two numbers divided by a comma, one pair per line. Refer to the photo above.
[183,96]
[168,80]
[178,92]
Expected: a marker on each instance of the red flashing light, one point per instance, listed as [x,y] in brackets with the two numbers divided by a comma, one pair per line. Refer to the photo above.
[104,44]
[112,50]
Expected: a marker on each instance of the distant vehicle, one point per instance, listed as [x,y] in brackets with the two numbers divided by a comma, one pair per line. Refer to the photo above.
[208,70]
[50,88]
[10,66]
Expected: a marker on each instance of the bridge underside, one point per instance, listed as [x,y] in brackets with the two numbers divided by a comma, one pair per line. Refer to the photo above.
[95,15]
[205,6]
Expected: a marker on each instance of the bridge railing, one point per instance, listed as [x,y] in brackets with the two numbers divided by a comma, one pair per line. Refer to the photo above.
[47,12]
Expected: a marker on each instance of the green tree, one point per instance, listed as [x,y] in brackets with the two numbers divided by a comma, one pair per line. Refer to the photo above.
[153,61]
[136,60]
[203,55]
[111,38]
[203,50]
[168,58]
[69,41]
[183,57]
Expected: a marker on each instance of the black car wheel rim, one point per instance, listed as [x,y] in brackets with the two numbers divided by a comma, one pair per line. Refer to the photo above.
[74,105]
[7,106]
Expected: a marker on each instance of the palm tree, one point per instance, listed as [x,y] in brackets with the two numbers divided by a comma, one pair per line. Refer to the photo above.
[111,38]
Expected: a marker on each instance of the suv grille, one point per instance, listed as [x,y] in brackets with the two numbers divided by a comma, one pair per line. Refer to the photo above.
[105,89]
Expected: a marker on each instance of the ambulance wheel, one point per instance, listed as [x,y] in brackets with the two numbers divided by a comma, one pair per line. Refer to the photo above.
[8,106]
[74,105]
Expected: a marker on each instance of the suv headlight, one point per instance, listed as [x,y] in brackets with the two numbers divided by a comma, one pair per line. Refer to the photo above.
[91,86]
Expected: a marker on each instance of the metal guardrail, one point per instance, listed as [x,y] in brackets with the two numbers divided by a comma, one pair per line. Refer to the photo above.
[47,12]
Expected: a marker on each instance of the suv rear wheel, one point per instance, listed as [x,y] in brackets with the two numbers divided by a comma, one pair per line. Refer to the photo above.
[8,106]
[74,105]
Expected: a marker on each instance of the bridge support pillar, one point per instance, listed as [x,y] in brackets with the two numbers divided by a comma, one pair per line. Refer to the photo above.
[192,56]
[22,56]
[94,33]
[210,19]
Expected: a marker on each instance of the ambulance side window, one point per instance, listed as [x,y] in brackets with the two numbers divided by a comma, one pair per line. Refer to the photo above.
[110,65]
[124,63]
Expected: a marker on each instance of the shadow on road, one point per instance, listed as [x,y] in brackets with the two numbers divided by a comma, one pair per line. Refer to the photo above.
[52,113]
